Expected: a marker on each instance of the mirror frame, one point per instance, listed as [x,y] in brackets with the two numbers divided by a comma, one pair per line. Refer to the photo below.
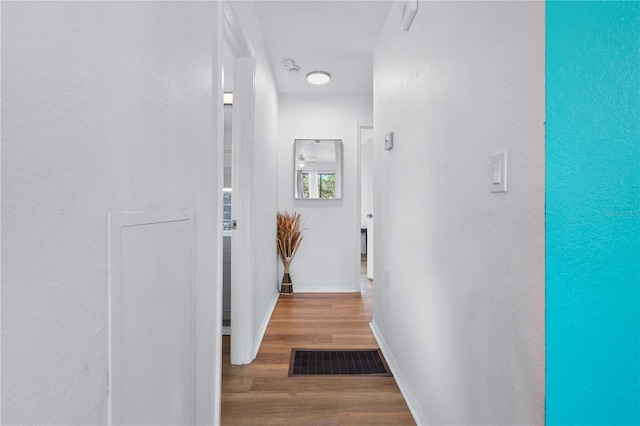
[338,169]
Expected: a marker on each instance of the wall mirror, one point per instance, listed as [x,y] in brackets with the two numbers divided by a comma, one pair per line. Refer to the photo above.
[318,169]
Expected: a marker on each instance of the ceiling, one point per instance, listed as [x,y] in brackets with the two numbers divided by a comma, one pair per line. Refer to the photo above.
[333,36]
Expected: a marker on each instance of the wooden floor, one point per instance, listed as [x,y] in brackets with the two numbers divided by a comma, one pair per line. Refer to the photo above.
[262,393]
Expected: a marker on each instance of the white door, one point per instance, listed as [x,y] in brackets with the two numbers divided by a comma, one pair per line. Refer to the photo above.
[152,329]
[242,141]
[369,149]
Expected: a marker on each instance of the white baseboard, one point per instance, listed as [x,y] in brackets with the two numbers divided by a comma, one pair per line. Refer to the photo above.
[265,323]
[409,397]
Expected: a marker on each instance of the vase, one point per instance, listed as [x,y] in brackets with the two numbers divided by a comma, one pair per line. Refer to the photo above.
[287,286]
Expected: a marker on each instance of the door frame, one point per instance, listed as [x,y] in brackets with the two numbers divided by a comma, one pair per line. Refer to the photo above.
[359,127]
[243,137]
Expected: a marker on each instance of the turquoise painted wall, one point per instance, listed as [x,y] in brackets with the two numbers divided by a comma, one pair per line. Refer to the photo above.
[593,212]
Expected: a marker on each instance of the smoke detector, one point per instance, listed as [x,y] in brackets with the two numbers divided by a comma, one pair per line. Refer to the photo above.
[291,66]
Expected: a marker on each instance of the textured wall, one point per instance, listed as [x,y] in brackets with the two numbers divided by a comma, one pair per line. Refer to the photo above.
[593,221]
[106,107]
[459,287]
[327,257]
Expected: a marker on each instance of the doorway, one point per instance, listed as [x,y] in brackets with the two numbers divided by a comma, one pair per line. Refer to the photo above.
[242,138]
[227,190]
[365,142]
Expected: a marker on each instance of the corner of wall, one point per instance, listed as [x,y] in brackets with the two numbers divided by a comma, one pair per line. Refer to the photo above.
[265,322]
[413,402]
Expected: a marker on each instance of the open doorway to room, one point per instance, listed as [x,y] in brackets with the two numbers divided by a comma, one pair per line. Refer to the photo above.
[365,141]
[227,66]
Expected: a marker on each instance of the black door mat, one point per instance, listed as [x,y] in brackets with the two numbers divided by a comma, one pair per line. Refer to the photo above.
[337,362]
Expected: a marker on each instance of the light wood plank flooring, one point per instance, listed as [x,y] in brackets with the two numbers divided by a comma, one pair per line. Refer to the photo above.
[262,394]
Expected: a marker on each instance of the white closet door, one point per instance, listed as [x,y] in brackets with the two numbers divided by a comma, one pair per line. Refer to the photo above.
[152,319]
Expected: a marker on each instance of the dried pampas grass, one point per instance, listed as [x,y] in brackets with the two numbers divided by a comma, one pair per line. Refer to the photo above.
[289,237]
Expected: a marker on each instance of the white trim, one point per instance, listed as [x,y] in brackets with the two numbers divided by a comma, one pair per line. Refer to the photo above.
[265,323]
[411,400]
[235,34]
[203,415]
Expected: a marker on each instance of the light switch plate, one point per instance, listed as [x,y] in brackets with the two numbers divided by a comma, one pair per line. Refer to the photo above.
[498,174]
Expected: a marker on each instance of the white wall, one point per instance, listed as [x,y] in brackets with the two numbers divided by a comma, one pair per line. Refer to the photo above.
[326,260]
[265,174]
[459,299]
[106,107]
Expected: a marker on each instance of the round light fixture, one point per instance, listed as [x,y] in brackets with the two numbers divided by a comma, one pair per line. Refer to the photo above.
[318,77]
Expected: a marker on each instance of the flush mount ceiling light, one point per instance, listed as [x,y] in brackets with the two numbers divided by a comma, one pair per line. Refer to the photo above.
[318,77]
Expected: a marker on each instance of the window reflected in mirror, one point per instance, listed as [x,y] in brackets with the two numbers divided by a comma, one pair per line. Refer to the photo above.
[318,168]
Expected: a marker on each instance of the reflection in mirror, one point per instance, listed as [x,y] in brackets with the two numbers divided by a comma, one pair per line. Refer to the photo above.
[318,168]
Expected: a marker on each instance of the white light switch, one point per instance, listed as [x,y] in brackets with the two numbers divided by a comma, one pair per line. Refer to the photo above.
[499,172]
[388,141]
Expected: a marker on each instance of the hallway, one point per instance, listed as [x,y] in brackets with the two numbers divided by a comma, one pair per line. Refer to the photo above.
[505,161]
[261,393]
